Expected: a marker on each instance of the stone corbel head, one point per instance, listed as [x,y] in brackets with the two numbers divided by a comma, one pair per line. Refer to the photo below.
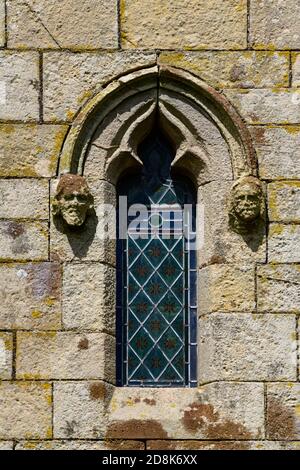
[73,200]
[246,204]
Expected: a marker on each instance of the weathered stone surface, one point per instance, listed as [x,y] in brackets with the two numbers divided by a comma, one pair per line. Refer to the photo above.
[283,405]
[89,297]
[86,73]
[296,69]
[19,78]
[90,241]
[264,106]
[278,151]
[6,445]
[278,288]
[247,347]
[24,198]
[226,288]
[80,445]
[53,25]
[65,355]
[214,411]
[25,411]
[284,243]
[273,25]
[221,445]
[30,296]
[284,201]
[79,409]
[23,240]
[30,149]
[6,347]
[230,69]
[2,23]
[188,24]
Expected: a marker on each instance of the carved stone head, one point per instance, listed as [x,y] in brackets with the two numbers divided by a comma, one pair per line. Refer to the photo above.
[246,204]
[72,200]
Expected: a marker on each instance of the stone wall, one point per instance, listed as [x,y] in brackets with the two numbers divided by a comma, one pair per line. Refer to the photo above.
[56,309]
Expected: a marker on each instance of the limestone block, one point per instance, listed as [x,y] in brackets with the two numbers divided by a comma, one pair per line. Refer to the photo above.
[85,74]
[24,198]
[79,409]
[221,243]
[6,347]
[2,23]
[283,404]
[19,85]
[278,151]
[296,69]
[284,201]
[91,241]
[30,149]
[273,25]
[221,445]
[264,106]
[247,347]
[226,288]
[23,240]
[26,410]
[30,296]
[278,288]
[220,410]
[85,24]
[188,24]
[89,297]
[80,445]
[230,69]
[65,355]
[6,445]
[284,243]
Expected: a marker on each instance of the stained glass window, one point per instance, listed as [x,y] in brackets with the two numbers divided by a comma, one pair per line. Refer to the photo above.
[156,274]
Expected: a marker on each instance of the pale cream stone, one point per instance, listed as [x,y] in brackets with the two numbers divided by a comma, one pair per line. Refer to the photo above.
[24,199]
[283,405]
[278,151]
[68,444]
[79,409]
[221,445]
[23,240]
[79,24]
[85,73]
[264,106]
[284,201]
[2,23]
[19,86]
[284,243]
[226,288]
[273,25]
[65,355]
[188,24]
[30,296]
[6,445]
[26,410]
[30,149]
[278,288]
[296,69]
[89,297]
[6,348]
[230,69]
[247,347]
[220,410]
[91,241]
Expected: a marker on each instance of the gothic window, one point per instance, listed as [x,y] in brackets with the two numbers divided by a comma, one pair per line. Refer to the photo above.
[156,273]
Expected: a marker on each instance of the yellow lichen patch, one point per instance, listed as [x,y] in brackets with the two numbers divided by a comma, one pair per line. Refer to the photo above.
[276,229]
[36,314]
[262,46]
[49,301]
[7,340]
[297,410]
[30,445]
[49,433]
[70,114]
[293,336]
[85,95]
[8,128]
[30,376]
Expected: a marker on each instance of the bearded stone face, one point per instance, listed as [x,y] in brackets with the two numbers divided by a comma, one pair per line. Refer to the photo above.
[247,203]
[72,200]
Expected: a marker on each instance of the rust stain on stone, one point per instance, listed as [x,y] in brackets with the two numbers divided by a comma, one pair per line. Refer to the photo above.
[97,391]
[202,416]
[83,344]
[217,259]
[136,429]
[280,420]
[116,444]
[149,401]
[14,229]
[198,445]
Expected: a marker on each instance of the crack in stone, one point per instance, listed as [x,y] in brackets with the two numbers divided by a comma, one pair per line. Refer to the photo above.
[294,283]
[34,13]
